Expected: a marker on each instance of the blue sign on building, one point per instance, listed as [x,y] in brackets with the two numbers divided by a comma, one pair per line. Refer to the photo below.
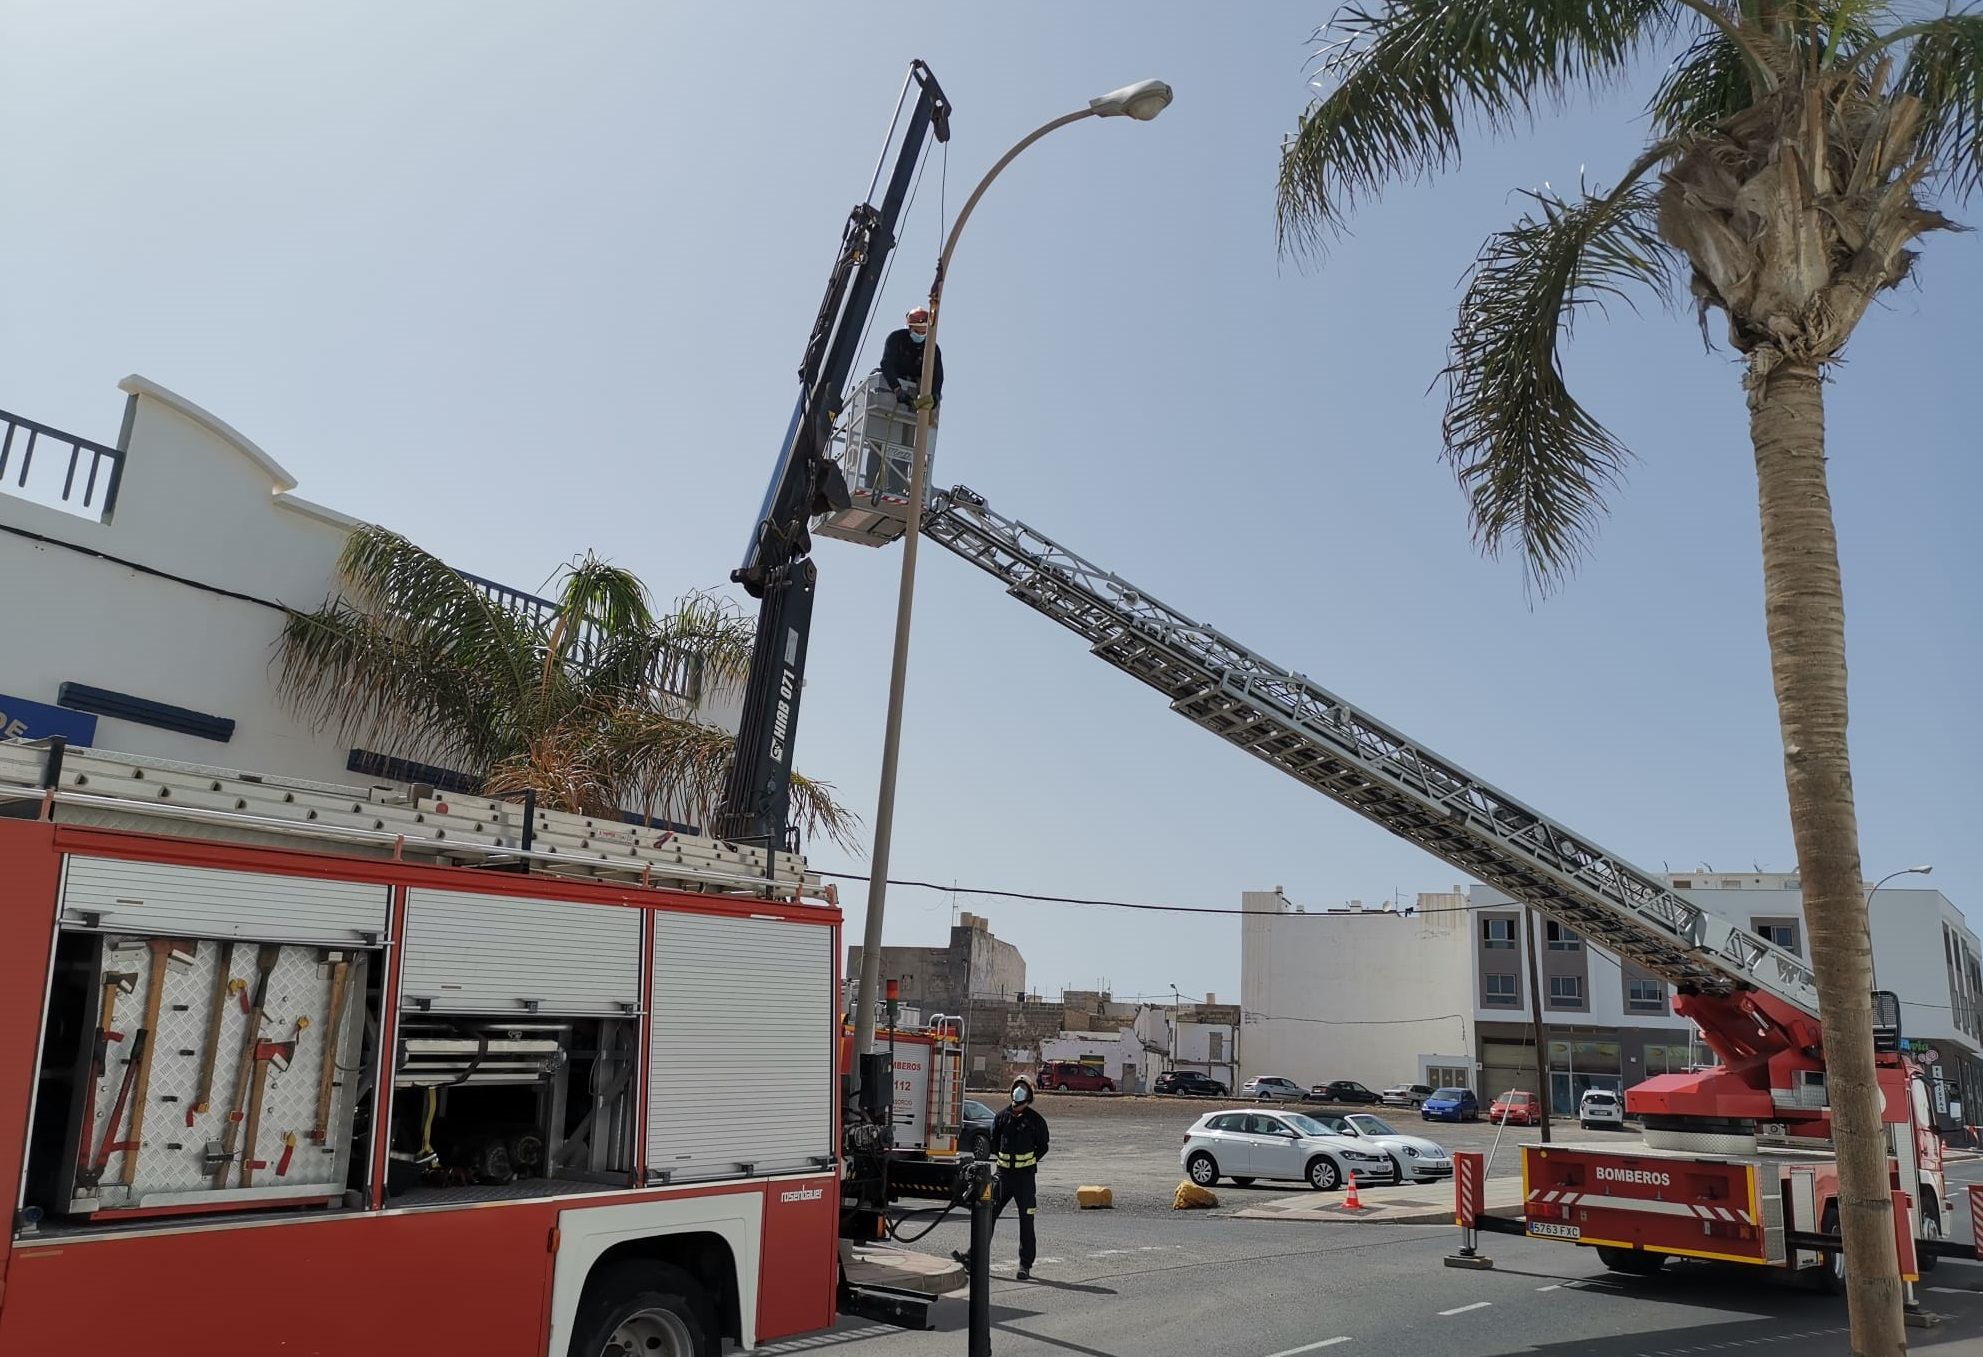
[21,719]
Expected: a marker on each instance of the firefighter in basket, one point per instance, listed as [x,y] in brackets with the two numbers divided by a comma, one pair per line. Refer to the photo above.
[1019,1143]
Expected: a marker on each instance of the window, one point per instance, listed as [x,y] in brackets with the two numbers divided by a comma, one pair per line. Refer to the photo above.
[1232,1121]
[1562,939]
[1645,994]
[1566,991]
[1218,1046]
[1445,1076]
[1498,932]
[1499,991]
[1266,1126]
[1782,932]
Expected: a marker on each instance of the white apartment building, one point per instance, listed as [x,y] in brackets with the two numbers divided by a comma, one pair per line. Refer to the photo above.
[1376,995]
[150,576]
[1372,995]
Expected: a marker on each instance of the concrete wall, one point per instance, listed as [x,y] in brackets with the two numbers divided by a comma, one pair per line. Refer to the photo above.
[1365,995]
[973,965]
[201,502]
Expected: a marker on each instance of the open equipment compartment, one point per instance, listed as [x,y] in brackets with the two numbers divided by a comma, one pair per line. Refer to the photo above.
[206,1042]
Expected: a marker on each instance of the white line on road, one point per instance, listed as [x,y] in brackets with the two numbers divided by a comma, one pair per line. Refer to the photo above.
[1952,1290]
[1462,1309]
[1310,1347]
[1553,1286]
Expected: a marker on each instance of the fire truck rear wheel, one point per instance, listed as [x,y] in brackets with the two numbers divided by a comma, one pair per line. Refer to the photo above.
[643,1309]
[1635,1261]
[1831,1272]
[1931,1228]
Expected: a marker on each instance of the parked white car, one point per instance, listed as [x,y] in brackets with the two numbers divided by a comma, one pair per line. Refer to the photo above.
[1272,1088]
[1406,1095]
[1252,1143]
[1416,1159]
[1601,1107]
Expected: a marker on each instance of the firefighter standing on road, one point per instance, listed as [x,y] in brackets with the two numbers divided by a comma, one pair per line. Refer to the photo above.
[1019,1143]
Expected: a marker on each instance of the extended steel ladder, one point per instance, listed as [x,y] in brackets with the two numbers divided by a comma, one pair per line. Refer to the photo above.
[1316,737]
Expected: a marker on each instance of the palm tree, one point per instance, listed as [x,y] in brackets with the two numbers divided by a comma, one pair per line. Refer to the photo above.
[1795,150]
[590,704]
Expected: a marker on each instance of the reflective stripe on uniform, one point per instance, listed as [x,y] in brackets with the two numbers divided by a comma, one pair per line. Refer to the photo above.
[1017,1161]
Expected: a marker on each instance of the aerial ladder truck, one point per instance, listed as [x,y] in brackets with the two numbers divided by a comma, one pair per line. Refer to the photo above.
[1736,1164]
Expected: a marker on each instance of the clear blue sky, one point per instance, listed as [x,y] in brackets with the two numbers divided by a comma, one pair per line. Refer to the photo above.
[520,280]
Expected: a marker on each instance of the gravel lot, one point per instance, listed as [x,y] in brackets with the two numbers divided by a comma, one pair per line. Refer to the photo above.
[1130,1143]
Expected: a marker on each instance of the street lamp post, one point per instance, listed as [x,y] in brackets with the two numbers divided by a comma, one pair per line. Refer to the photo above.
[1872,955]
[1177,1015]
[1141,101]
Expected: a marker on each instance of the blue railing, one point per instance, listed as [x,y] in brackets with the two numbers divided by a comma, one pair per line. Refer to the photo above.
[674,673]
[99,467]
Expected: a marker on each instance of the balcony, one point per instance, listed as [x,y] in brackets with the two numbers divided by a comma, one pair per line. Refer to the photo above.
[35,459]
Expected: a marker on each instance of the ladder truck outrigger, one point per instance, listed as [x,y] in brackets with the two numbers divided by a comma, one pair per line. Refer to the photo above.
[1736,1164]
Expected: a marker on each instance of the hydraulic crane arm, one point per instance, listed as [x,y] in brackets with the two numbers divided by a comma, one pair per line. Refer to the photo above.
[777,569]
[1756,1002]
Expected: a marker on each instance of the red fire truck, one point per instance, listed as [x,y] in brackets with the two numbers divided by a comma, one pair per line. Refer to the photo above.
[305,1069]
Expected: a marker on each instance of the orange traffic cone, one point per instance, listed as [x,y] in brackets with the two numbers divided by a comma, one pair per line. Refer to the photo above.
[1351,1202]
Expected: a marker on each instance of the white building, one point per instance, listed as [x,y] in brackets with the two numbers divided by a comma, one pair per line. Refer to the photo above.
[1370,995]
[1379,996]
[1203,1038]
[150,577]
[1121,1054]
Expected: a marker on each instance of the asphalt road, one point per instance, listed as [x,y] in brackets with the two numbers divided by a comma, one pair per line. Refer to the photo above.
[1202,1285]
[1144,1281]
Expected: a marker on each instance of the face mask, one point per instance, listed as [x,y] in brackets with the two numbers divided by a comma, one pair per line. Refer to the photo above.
[1019,1094]
[913,335]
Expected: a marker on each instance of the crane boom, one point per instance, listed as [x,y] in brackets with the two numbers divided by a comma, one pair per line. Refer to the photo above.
[1351,757]
[777,568]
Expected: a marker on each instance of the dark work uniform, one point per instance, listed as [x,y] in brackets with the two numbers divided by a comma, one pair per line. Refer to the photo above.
[1019,1143]
[902,362]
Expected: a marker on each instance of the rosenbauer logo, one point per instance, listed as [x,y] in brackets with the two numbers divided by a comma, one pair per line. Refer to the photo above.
[1647,1176]
[802,1194]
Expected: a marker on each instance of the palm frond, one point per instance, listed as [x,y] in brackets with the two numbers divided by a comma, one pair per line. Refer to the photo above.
[1709,82]
[676,767]
[1944,70]
[1713,80]
[340,667]
[711,630]
[1535,464]
[1407,77]
[421,600]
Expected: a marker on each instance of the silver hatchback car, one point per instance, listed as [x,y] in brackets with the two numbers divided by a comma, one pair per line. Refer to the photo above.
[1272,1088]
[1256,1143]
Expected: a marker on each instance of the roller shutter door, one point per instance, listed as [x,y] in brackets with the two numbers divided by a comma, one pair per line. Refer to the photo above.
[119,895]
[467,953]
[740,1065]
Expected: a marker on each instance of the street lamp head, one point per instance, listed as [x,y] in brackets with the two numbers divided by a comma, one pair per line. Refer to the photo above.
[1923,869]
[1142,101]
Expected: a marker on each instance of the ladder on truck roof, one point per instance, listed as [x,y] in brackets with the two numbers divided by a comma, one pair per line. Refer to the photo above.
[1316,737]
[126,791]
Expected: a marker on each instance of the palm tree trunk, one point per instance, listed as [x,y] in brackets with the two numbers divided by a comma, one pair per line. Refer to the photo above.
[1804,607]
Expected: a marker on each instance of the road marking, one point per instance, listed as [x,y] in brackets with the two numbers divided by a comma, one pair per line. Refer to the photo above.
[1462,1309]
[1310,1347]
[1554,1286]
[1952,1290]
